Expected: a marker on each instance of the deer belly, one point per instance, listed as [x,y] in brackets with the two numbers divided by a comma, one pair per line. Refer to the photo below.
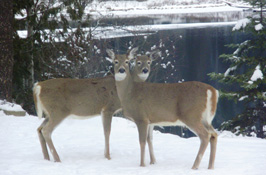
[176,123]
[82,117]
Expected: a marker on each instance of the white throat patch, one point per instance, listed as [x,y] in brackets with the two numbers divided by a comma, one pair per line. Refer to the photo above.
[120,76]
[143,76]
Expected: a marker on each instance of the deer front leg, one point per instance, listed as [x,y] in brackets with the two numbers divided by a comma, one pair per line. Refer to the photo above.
[150,144]
[107,120]
[143,130]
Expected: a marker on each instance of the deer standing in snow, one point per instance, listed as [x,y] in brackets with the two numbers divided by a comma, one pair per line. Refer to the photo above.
[191,104]
[62,97]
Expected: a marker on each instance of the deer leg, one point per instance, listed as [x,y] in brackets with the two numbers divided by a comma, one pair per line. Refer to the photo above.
[143,129]
[42,140]
[47,132]
[204,140]
[150,144]
[213,143]
[107,120]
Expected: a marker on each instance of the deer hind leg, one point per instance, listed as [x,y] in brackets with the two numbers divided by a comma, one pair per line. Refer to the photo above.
[143,131]
[150,144]
[47,132]
[42,140]
[204,136]
[213,143]
[107,120]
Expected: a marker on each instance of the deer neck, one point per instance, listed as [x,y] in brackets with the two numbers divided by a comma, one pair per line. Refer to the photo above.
[124,87]
[135,77]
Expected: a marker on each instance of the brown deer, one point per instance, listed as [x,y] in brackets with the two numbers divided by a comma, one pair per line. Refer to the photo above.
[63,97]
[192,104]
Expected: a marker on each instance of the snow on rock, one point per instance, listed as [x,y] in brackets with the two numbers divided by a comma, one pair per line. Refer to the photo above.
[257,74]
[258,27]
[11,108]
[80,145]
[241,24]
[5,105]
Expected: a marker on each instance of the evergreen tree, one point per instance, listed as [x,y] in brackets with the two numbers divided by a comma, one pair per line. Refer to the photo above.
[43,29]
[247,75]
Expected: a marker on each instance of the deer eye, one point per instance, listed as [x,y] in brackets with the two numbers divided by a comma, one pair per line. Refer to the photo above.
[126,61]
[149,62]
[116,62]
[139,62]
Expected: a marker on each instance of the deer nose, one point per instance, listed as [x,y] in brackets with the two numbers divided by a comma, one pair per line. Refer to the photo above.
[145,70]
[121,70]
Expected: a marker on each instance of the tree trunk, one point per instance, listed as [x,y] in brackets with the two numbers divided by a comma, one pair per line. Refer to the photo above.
[6,49]
[31,66]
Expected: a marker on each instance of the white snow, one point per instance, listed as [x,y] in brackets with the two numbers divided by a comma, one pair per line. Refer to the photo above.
[257,74]
[243,98]
[134,8]
[258,27]
[80,145]
[110,9]
[123,9]
[4,105]
[241,24]
[229,70]
[123,31]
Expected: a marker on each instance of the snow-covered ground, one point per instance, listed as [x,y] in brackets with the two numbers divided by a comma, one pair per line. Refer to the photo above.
[80,144]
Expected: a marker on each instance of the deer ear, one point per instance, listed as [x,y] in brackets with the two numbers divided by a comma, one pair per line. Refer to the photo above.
[154,54]
[132,53]
[111,54]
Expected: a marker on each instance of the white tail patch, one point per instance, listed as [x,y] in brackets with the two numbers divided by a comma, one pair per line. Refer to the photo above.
[207,115]
[217,96]
[37,91]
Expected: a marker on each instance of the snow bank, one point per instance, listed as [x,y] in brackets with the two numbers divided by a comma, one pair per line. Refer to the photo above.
[80,145]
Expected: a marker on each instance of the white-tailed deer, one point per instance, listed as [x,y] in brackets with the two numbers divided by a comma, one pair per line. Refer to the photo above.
[62,97]
[192,104]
